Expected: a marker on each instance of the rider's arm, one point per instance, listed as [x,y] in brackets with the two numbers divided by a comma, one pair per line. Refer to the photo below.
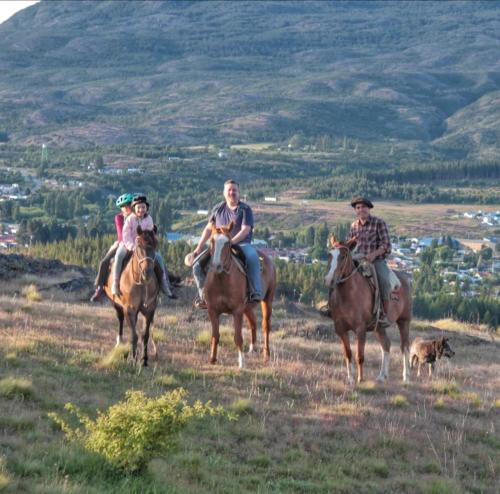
[245,230]
[207,231]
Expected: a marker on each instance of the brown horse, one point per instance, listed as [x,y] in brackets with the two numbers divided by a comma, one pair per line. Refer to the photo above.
[139,291]
[351,303]
[226,292]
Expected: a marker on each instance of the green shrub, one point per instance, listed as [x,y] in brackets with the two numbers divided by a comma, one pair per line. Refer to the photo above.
[399,401]
[136,429]
[242,406]
[11,387]
[31,293]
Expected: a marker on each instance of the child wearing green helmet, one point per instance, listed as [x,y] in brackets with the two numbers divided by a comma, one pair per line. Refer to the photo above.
[124,202]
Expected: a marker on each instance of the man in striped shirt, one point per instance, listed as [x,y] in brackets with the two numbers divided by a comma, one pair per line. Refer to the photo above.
[373,241]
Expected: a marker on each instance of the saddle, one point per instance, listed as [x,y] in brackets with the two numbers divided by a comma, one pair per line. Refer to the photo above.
[367,269]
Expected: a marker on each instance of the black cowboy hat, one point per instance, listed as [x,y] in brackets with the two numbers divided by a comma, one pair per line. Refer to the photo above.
[139,200]
[362,200]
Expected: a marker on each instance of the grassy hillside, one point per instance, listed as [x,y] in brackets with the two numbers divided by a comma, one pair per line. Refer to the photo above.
[299,427]
[115,72]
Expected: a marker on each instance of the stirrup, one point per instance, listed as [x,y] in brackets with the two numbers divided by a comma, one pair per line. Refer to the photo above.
[325,311]
[199,303]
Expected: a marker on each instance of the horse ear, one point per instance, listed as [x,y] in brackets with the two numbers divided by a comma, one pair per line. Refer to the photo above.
[155,229]
[229,227]
[332,240]
[351,243]
[139,230]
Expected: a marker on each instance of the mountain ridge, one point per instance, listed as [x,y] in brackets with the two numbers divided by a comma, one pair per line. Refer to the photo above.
[198,72]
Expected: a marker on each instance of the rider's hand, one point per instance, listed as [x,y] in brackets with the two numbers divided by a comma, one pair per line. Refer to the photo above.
[371,256]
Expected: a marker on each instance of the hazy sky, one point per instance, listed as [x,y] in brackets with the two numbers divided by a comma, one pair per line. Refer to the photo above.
[8,7]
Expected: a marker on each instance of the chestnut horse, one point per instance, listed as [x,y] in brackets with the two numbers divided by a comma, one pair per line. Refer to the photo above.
[351,302]
[139,291]
[226,293]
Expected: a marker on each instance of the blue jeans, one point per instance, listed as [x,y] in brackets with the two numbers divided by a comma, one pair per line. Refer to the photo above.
[253,270]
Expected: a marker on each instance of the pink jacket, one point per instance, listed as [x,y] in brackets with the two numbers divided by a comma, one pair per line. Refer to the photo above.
[130,229]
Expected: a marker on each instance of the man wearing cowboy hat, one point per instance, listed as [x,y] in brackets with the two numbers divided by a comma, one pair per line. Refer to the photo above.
[373,242]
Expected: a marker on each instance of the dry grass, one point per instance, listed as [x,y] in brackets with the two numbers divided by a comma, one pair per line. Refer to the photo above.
[300,427]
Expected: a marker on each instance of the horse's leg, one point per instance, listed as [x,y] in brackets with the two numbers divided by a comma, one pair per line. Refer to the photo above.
[385,347]
[404,332]
[346,349]
[214,319]
[252,322]
[267,310]
[120,315]
[238,338]
[131,316]
[360,353]
[145,339]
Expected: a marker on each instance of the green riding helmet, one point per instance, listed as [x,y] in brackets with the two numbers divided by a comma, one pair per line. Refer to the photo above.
[124,199]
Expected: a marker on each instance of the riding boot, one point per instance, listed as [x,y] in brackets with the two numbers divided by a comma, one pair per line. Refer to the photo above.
[164,282]
[384,320]
[199,301]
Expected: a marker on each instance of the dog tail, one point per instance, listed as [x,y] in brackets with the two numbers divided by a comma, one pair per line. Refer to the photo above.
[413,361]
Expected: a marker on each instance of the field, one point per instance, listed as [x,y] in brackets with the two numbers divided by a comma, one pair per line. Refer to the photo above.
[411,220]
[300,428]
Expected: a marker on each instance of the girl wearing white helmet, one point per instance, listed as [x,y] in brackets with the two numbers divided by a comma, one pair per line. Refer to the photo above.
[139,217]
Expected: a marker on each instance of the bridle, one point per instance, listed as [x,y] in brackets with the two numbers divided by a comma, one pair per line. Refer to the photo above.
[142,270]
[335,279]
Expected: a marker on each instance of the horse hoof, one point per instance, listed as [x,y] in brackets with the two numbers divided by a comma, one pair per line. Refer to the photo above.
[213,361]
[381,378]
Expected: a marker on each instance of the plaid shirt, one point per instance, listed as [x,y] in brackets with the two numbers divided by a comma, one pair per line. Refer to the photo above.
[370,236]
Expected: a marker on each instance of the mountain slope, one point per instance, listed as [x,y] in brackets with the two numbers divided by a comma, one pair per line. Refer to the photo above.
[112,72]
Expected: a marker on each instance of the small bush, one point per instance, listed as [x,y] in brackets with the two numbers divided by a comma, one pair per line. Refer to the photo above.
[31,293]
[166,380]
[399,401]
[440,404]
[446,388]
[11,387]
[474,400]
[116,358]
[496,404]
[443,487]
[225,336]
[136,429]
[4,478]
[242,406]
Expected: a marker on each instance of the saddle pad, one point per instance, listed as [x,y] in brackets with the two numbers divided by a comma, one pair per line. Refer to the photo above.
[395,281]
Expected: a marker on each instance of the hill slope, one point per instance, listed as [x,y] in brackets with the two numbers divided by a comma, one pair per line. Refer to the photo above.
[114,72]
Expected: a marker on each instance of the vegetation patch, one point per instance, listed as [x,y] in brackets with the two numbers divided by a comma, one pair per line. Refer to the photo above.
[116,358]
[136,429]
[11,387]
[399,401]
[446,388]
[31,293]
[166,380]
[242,406]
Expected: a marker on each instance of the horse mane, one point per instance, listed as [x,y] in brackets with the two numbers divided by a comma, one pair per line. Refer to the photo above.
[147,238]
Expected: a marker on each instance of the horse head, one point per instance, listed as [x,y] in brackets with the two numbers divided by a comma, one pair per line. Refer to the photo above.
[220,247]
[146,244]
[339,259]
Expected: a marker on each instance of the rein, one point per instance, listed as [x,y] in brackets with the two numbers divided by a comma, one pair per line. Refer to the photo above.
[339,281]
[141,274]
